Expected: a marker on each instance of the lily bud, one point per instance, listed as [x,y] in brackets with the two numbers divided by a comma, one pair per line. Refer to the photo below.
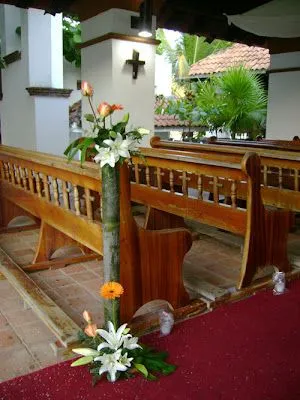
[87,316]
[86,89]
[91,330]
[104,109]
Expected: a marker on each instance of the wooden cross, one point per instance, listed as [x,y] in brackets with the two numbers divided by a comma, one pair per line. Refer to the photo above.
[135,62]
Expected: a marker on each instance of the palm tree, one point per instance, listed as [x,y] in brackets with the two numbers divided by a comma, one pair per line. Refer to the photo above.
[235,100]
[188,50]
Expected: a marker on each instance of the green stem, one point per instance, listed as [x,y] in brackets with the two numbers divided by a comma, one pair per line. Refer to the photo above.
[111,236]
[93,111]
[114,314]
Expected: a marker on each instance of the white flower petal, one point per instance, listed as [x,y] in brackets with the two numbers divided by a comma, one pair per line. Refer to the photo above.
[143,131]
[124,153]
[120,331]
[109,142]
[104,334]
[111,327]
[102,369]
[105,345]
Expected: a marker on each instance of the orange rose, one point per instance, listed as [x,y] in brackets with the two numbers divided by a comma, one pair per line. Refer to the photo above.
[90,330]
[104,109]
[115,107]
[86,89]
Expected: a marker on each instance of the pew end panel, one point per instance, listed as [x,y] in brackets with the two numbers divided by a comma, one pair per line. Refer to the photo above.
[175,183]
[151,259]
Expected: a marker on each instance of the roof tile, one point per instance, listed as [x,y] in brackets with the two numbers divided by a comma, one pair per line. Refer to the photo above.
[252,57]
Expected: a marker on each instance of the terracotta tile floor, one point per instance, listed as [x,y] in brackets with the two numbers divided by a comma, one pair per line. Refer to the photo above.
[25,342]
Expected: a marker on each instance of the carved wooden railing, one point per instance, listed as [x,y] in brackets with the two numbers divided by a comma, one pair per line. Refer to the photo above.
[182,184]
[65,197]
[280,171]
[57,193]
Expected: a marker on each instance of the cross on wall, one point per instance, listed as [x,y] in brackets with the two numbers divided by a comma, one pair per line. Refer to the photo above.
[136,63]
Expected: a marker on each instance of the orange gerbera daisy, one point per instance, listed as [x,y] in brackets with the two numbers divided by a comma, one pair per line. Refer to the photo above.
[111,290]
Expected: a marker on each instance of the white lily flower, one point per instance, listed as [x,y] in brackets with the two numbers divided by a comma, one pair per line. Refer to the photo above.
[86,352]
[114,339]
[106,156]
[119,145]
[111,364]
[131,343]
[125,360]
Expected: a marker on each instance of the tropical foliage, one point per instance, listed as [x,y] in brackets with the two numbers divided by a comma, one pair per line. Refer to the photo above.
[187,50]
[71,40]
[183,107]
[234,101]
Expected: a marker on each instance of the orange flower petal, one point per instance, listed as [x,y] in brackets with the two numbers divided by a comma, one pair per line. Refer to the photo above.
[115,107]
[90,330]
[111,290]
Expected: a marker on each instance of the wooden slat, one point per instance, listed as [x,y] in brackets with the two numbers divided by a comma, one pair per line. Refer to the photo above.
[59,262]
[56,320]
[214,214]
[64,171]
[78,228]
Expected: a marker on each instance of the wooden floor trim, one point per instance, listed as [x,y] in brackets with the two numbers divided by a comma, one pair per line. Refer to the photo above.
[62,326]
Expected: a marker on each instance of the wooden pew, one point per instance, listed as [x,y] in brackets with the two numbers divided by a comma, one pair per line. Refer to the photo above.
[280,179]
[267,144]
[176,184]
[65,197]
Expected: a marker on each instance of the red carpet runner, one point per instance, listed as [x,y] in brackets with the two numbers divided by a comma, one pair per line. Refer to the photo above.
[249,350]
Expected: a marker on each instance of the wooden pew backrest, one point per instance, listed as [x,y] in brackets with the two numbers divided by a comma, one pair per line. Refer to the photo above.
[280,171]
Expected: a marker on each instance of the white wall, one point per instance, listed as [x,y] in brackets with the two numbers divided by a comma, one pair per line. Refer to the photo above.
[136,95]
[17,124]
[51,137]
[71,76]
[35,122]
[10,19]
[104,66]
[283,119]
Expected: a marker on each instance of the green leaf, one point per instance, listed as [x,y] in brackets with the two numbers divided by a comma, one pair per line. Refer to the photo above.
[77,38]
[112,134]
[142,369]
[84,146]
[126,118]
[151,377]
[85,351]
[72,149]
[89,117]
[82,361]
[120,127]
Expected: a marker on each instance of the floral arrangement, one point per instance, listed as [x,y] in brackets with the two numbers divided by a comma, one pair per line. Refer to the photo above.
[115,352]
[107,141]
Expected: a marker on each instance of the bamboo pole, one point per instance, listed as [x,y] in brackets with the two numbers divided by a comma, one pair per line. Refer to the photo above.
[111,236]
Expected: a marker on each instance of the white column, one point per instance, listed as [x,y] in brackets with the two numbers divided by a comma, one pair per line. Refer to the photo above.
[39,121]
[283,119]
[104,66]
[10,20]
